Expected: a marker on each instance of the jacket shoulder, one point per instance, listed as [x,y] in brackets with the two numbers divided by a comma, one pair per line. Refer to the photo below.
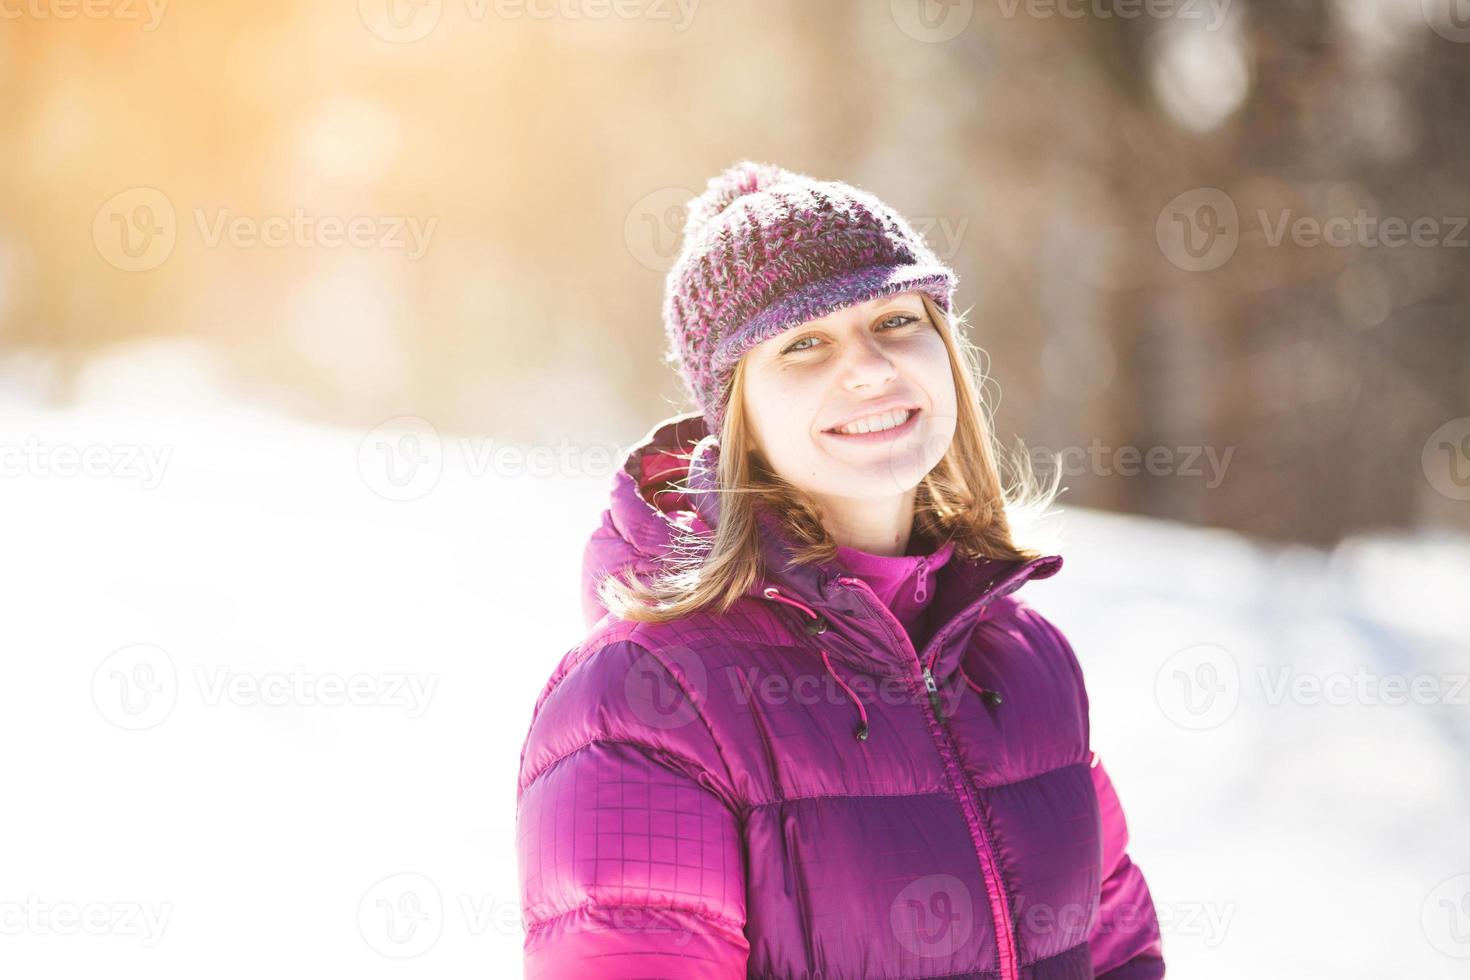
[1043,642]
[629,683]
[1041,634]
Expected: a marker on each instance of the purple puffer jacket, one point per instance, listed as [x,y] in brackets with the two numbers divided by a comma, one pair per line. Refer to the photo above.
[791,790]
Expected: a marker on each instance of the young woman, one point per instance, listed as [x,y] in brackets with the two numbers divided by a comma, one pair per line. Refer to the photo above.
[813,731]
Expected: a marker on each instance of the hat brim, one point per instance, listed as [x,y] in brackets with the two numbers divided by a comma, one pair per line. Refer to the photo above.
[825,296]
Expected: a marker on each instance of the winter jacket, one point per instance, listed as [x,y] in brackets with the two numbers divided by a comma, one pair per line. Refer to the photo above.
[790,789]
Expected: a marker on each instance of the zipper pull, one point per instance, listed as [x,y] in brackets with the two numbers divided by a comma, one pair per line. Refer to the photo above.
[933,689]
[921,590]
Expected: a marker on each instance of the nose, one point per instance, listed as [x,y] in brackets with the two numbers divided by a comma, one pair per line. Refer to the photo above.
[866,364]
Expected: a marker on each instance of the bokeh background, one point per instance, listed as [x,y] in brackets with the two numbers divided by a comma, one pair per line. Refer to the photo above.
[324,326]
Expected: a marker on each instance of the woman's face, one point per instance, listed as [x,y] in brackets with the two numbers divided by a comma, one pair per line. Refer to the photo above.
[881,358]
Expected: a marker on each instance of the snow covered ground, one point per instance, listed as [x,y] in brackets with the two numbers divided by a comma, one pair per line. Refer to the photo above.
[266,685]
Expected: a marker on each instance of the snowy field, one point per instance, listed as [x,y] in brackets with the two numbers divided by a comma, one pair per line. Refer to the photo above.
[266,685]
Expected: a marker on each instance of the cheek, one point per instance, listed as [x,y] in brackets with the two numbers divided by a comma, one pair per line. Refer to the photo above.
[781,412]
[940,373]
[766,410]
[929,368]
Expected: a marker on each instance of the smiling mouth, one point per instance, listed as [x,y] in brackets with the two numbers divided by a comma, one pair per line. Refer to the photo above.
[881,434]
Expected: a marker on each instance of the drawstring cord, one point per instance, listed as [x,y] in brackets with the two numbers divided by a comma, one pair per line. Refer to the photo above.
[862,726]
[989,696]
[816,626]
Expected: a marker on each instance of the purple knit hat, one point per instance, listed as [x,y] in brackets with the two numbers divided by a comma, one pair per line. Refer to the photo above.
[765,250]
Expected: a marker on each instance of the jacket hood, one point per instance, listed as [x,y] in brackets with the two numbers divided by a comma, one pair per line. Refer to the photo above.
[646,516]
[663,494]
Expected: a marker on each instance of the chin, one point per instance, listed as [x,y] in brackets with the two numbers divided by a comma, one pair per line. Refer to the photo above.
[869,482]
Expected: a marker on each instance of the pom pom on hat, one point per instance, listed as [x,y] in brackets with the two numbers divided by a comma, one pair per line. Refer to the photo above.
[724,189]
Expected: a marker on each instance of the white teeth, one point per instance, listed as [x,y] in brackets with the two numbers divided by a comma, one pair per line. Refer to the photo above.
[876,423]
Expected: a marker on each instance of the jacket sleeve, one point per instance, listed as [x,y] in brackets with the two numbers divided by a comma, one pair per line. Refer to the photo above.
[1125,939]
[629,848]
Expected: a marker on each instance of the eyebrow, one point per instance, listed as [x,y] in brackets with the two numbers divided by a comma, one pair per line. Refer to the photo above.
[887,302]
[898,299]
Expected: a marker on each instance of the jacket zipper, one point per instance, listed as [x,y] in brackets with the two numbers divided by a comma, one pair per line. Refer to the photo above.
[1000,908]
[933,689]
[921,588]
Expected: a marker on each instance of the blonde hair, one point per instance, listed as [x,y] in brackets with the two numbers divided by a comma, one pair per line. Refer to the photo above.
[963,499]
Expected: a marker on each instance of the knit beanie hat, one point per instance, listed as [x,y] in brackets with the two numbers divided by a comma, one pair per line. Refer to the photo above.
[766,249]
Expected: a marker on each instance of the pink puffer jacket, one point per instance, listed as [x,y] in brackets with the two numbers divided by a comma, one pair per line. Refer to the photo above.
[792,790]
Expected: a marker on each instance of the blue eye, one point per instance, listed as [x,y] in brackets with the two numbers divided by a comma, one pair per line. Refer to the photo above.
[904,319]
